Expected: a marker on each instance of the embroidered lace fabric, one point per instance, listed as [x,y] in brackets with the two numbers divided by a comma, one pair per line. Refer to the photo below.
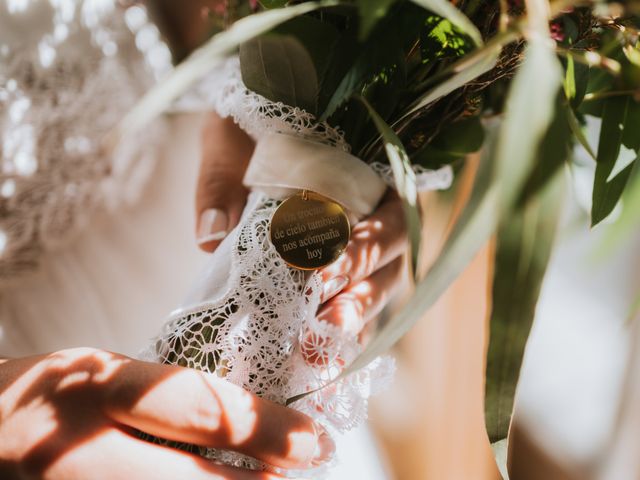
[69,69]
[262,334]
[253,319]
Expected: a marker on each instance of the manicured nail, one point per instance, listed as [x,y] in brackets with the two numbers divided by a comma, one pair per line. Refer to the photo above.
[213,225]
[325,448]
[333,287]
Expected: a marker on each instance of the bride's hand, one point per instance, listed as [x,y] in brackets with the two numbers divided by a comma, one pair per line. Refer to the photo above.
[360,283]
[73,414]
[220,195]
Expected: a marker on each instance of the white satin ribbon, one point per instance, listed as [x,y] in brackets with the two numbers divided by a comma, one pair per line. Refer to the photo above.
[284,164]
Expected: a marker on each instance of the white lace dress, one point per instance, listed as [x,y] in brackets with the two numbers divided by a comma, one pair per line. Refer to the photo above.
[95,250]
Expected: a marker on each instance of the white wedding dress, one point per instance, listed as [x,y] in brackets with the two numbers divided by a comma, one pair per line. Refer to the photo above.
[96,250]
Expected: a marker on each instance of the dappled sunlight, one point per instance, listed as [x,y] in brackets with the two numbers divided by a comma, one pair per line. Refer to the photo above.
[57,409]
[301,445]
[241,411]
[15,439]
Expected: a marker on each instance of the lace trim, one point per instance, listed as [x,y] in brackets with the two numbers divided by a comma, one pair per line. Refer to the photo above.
[263,335]
[426,179]
[223,91]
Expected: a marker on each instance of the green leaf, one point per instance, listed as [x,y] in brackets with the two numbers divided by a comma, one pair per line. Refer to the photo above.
[631,133]
[365,66]
[578,133]
[524,243]
[358,64]
[371,11]
[570,80]
[581,77]
[318,37]
[447,10]
[462,72]
[279,68]
[432,158]
[441,39]
[607,190]
[504,166]
[524,234]
[629,220]
[452,143]
[552,153]
[530,110]
[632,52]
[202,61]
[461,137]
[405,180]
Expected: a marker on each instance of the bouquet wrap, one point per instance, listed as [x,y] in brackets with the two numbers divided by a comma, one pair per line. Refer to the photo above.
[251,318]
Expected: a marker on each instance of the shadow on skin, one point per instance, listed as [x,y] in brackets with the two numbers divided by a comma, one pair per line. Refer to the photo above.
[101,391]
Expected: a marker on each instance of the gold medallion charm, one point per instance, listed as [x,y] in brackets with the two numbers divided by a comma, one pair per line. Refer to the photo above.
[309,231]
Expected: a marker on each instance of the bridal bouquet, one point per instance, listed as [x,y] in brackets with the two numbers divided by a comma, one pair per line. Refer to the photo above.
[346,99]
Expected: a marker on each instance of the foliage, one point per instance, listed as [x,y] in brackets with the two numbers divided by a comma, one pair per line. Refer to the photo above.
[419,81]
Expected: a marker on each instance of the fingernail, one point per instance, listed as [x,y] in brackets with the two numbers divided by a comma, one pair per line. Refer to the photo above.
[325,448]
[213,225]
[333,286]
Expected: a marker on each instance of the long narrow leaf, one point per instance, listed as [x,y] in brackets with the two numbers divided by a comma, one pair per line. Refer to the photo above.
[466,69]
[576,129]
[607,190]
[504,168]
[447,10]
[281,69]
[524,244]
[203,60]
[405,180]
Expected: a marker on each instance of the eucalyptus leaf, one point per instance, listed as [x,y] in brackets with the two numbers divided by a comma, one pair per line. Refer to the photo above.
[202,61]
[318,38]
[530,108]
[405,180]
[523,248]
[381,52]
[461,137]
[578,133]
[447,10]
[279,68]
[629,220]
[371,11]
[606,190]
[451,144]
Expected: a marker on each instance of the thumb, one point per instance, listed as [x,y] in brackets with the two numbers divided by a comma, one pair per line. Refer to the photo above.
[220,195]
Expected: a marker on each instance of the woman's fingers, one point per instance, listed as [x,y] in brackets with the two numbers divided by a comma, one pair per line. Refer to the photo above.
[375,242]
[352,309]
[220,195]
[193,407]
[114,455]
[358,304]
